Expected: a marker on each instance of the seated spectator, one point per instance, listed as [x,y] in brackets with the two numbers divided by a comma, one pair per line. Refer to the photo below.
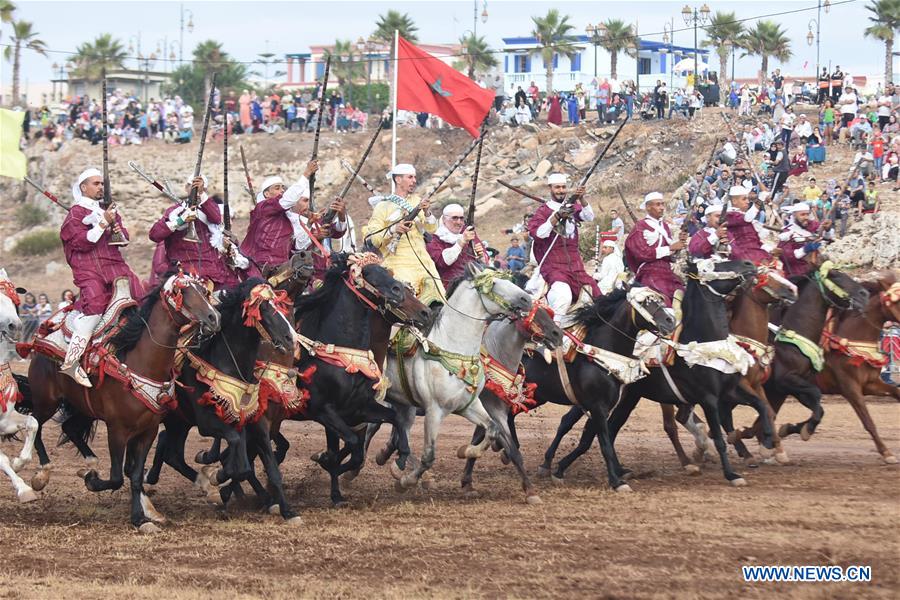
[28,314]
[812,192]
[67,298]
[799,165]
[44,308]
[515,255]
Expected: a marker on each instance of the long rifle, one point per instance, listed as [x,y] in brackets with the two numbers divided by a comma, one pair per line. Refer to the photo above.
[191,234]
[346,164]
[315,151]
[116,238]
[776,218]
[520,191]
[329,214]
[226,207]
[627,206]
[470,216]
[149,179]
[52,198]
[247,175]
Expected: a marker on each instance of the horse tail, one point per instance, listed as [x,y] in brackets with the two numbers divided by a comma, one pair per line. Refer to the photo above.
[25,405]
[78,426]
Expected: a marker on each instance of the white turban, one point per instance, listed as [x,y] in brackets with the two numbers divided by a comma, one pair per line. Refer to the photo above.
[800,207]
[402,169]
[191,180]
[738,190]
[715,208]
[557,179]
[453,210]
[76,188]
[266,184]
[651,197]
[609,244]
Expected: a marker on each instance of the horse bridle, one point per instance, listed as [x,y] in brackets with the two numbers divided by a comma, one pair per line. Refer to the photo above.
[483,283]
[822,281]
[357,283]
[528,323]
[251,309]
[706,274]
[172,294]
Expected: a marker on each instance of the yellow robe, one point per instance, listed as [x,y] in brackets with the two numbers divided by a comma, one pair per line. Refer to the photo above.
[410,254]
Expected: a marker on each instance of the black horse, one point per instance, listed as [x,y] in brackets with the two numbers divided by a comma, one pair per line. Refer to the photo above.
[611,323]
[705,320]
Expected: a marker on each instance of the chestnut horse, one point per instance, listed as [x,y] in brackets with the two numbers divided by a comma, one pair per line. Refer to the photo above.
[146,343]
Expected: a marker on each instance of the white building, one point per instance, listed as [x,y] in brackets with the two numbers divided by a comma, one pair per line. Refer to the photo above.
[522,64]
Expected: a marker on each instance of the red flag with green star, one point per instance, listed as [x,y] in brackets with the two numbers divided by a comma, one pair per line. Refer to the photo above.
[426,84]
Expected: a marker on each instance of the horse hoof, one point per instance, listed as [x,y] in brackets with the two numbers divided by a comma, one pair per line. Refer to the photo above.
[496,446]
[751,462]
[17,464]
[82,472]
[27,495]
[557,481]
[91,462]
[382,456]
[732,437]
[805,433]
[396,473]
[408,481]
[40,479]
[692,469]
[342,503]
[543,471]
[349,476]
[209,472]
[462,452]
[889,459]
[784,431]
[504,458]
[533,499]
[150,510]
[698,456]
[427,483]
[624,489]
[317,457]
[200,458]
[275,510]
[766,452]
[148,528]
[470,493]
[739,482]
[149,489]
[293,521]
[398,487]
[782,458]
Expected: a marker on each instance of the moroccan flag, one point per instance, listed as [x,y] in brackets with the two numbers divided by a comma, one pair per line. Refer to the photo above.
[12,161]
[425,84]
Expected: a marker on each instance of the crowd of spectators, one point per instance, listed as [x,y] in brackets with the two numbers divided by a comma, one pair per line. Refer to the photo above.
[35,310]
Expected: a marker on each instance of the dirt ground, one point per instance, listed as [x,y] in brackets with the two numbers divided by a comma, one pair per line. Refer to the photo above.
[675,536]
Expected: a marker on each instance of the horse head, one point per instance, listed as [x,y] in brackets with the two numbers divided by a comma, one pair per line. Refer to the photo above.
[839,289]
[890,296]
[538,325]
[772,286]
[293,275]
[370,280]
[267,310]
[188,299]
[10,325]
[650,310]
[721,277]
[498,294]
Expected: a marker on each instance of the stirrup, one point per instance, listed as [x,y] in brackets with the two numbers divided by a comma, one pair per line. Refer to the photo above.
[77,373]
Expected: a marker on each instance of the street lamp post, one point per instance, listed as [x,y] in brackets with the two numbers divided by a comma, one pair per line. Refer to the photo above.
[146,62]
[131,46]
[669,39]
[484,15]
[595,34]
[695,17]
[366,48]
[190,28]
[809,33]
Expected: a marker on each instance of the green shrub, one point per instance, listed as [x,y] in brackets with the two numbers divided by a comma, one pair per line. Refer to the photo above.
[29,215]
[37,243]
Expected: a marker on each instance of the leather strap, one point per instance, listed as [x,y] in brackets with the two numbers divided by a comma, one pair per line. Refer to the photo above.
[564,377]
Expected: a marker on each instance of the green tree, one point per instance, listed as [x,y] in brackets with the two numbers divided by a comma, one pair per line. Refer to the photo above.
[22,36]
[723,29]
[346,66]
[394,21]
[91,58]
[209,58]
[477,55]
[766,39]
[885,20]
[192,81]
[616,37]
[553,33]
[267,59]
[7,9]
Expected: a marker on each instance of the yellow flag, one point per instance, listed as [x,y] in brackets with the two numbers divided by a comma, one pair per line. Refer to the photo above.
[12,160]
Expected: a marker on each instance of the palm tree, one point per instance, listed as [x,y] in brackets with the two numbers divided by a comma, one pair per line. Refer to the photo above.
[7,9]
[477,55]
[22,36]
[104,53]
[345,65]
[394,21]
[723,31]
[209,58]
[553,35]
[766,39]
[885,22]
[616,36]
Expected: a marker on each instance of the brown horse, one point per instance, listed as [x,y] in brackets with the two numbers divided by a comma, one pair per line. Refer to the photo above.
[852,367]
[146,343]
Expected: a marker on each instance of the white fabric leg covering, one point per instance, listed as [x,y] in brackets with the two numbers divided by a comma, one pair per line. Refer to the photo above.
[82,330]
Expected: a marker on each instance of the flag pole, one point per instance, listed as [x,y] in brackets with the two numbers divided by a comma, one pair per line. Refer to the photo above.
[394,119]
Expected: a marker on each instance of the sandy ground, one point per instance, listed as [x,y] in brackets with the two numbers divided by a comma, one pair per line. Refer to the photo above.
[676,536]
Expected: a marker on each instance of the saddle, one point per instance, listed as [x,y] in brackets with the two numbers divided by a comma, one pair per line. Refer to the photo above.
[54,334]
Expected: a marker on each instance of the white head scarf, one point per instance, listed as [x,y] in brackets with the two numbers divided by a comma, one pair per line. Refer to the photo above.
[266,184]
[87,173]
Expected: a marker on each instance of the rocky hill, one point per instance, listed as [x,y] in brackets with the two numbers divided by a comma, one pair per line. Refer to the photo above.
[646,156]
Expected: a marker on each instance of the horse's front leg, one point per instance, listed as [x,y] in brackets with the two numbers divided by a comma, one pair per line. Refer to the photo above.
[143,513]
[434,416]
[710,405]
[117,440]
[566,423]
[24,493]
[259,436]
[12,422]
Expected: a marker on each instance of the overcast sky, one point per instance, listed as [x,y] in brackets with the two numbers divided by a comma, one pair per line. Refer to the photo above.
[244,27]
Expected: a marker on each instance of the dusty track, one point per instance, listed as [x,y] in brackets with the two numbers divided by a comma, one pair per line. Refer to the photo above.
[676,536]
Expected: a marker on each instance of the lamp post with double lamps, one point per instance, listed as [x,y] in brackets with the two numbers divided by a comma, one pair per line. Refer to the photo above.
[695,17]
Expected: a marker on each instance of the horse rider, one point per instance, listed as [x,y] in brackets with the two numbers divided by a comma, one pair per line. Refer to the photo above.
[650,249]
[454,245]
[704,243]
[401,241]
[743,232]
[554,229]
[801,237]
[96,263]
[212,258]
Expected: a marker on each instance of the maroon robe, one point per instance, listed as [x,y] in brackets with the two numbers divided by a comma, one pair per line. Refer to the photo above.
[650,270]
[452,271]
[794,266]
[700,245]
[563,260]
[95,266]
[554,113]
[744,239]
[270,235]
[202,259]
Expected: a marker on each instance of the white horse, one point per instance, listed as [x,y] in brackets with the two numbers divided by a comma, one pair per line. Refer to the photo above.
[447,376]
[11,422]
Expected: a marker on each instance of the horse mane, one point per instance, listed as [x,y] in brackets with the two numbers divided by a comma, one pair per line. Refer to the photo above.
[136,319]
[874,285]
[230,307]
[310,306]
[602,309]
[466,276]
